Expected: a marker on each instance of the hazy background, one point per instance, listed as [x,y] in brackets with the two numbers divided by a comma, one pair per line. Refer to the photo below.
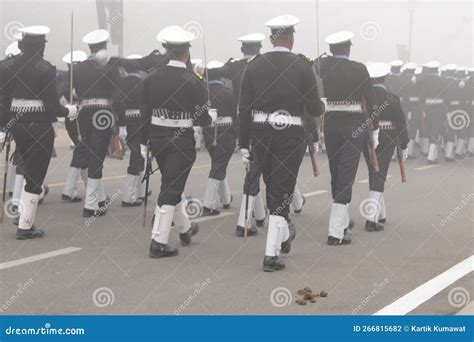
[442,30]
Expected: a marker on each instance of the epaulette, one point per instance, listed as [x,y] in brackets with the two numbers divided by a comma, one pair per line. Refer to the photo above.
[306,58]
[198,76]
[253,58]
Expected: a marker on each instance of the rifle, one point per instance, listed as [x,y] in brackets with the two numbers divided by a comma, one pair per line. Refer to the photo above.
[309,141]
[6,146]
[146,178]
[372,153]
[401,163]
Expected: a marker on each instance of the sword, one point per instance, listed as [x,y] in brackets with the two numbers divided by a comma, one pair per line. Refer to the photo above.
[309,141]
[71,77]
[401,163]
[247,190]
[6,146]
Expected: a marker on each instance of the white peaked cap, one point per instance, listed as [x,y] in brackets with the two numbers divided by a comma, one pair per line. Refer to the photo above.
[432,65]
[12,49]
[418,70]
[396,63]
[175,35]
[18,36]
[214,64]
[252,38]
[461,68]
[339,37]
[282,21]
[135,56]
[38,30]
[196,61]
[96,37]
[411,66]
[77,56]
[377,70]
[450,67]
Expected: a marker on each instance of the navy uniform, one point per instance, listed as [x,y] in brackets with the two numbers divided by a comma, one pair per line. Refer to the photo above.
[173,101]
[465,95]
[29,96]
[434,87]
[78,165]
[278,87]
[349,115]
[393,135]
[96,83]
[394,81]
[130,124]
[219,141]
[411,93]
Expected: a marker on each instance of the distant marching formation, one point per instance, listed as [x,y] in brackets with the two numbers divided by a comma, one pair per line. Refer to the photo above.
[268,104]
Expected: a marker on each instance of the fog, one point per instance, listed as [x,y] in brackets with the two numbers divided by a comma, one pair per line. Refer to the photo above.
[442,30]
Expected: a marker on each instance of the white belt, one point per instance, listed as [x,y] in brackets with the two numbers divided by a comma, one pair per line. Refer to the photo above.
[386,125]
[95,103]
[454,103]
[132,113]
[342,106]
[27,105]
[176,123]
[434,101]
[277,118]
[413,99]
[224,121]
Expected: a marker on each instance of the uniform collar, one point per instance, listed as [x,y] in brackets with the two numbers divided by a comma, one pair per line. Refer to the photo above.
[341,56]
[247,56]
[216,82]
[379,85]
[176,64]
[280,48]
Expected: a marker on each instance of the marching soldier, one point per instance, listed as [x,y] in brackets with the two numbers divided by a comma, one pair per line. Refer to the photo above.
[465,94]
[394,81]
[220,142]
[434,87]
[393,135]
[350,116]
[96,83]
[412,106]
[78,166]
[130,128]
[29,96]
[278,87]
[173,101]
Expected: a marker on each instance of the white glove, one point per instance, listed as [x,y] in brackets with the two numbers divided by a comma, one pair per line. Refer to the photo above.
[122,132]
[213,115]
[2,139]
[55,129]
[405,154]
[102,57]
[245,154]
[199,68]
[375,137]
[73,112]
[316,147]
[143,150]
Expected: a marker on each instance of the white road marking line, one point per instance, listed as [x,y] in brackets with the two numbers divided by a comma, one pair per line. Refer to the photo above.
[425,167]
[314,193]
[18,262]
[367,180]
[208,218]
[424,292]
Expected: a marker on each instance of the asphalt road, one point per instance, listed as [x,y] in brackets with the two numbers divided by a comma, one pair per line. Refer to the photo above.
[102,267]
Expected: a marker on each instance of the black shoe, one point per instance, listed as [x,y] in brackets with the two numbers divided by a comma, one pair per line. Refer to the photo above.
[103,206]
[46,192]
[373,226]
[260,223]
[432,162]
[137,203]
[332,241]
[159,250]
[147,195]
[271,264]
[240,231]
[32,233]
[186,237]
[93,213]
[16,220]
[227,206]
[209,212]
[286,245]
[301,209]
[450,160]
[70,199]
[382,221]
